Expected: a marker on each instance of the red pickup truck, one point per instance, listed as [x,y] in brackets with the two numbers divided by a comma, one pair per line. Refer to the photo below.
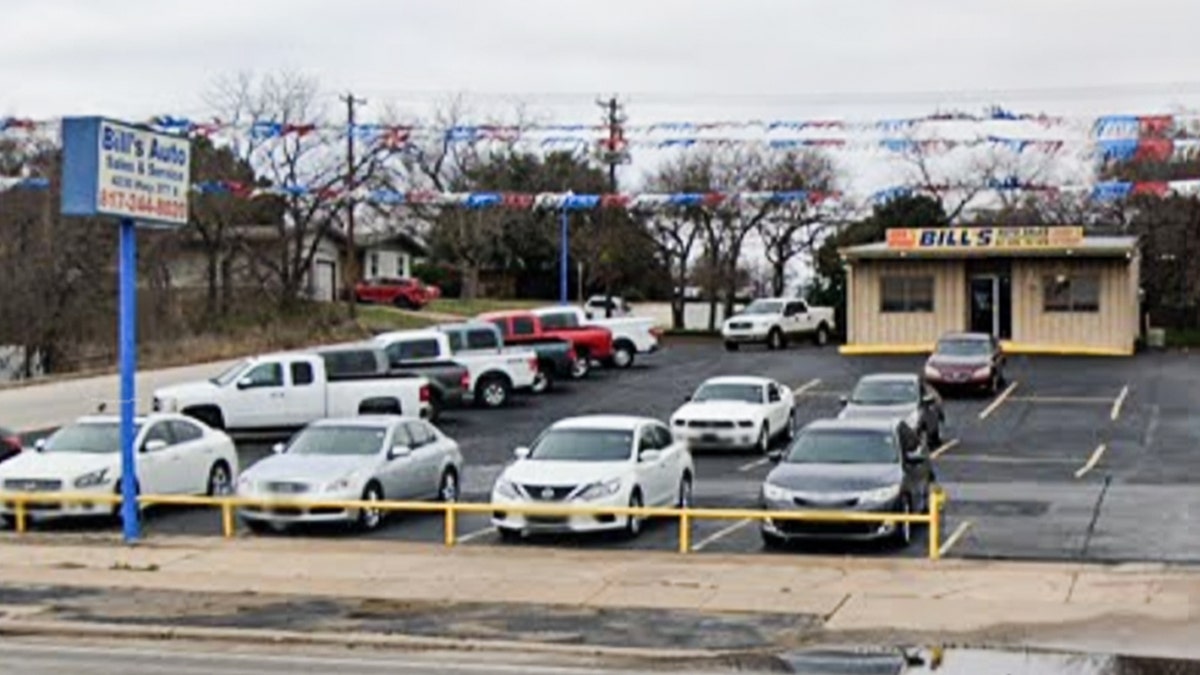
[525,328]
[402,293]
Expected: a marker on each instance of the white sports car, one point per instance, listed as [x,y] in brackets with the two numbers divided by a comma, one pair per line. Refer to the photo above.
[735,412]
[175,455]
[594,461]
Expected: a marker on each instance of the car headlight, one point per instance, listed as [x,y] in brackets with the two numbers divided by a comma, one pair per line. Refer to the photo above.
[882,494]
[338,485]
[982,372]
[506,488]
[601,489]
[930,371]
[775,493]
[92,479]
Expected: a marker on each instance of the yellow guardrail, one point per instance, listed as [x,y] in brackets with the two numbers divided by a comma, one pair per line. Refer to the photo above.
[21,501]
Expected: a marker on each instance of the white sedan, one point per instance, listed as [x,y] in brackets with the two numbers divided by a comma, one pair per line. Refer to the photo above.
[368,458]
[594,461]
[736,412]
[175,455]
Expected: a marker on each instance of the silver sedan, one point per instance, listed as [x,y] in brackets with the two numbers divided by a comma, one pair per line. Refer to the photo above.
[368,458]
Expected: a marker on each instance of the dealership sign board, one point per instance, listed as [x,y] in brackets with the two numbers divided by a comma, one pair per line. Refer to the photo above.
[1006,238]
[126,171]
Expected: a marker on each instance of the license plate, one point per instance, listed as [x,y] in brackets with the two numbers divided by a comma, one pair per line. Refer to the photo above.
[708,437]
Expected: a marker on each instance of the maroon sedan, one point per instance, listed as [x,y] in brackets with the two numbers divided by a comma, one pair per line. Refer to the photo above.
[10,444]
[966,361]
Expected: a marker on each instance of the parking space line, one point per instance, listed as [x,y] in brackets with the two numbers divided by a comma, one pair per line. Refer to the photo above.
[1116,409]
[1062,399]
[476,534]
[1092,461]
[721,533]
[798,391]
[983,414]
[944,448]
[954,537]
[750,466]
[1006,459]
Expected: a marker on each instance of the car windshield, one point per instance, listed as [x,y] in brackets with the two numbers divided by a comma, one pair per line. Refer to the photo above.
[764,307]
[339,441]
[95,437]
[748,393]
[963,347]
[230,374]
[885,392]
[584,445]
[843,447]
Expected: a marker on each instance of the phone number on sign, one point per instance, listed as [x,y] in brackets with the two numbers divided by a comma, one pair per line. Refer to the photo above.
[143,205]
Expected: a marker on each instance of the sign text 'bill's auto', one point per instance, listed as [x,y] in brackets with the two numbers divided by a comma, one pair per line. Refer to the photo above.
[116,169]
[957,238]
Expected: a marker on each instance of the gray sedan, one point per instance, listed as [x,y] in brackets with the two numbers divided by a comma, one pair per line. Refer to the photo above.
[901,396]
[867,465]
[369,458]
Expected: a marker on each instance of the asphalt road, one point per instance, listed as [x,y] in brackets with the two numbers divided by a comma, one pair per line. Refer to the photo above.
[1081,459]
[37,657]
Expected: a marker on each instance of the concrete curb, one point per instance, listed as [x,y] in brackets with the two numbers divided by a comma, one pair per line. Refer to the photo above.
[83,629]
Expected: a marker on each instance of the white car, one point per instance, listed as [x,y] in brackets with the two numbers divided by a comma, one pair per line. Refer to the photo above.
[775,321]
[736,412]
[598,461]
[368,458]
[175,455]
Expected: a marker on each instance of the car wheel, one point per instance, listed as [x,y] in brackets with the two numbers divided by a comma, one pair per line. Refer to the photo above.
[770,541]
[9,522]
[775,339]
[789,430]
[370,518]
[763,446]
[731,346]
[508,534]
[542,383]
[448,487]
[821,337]
[623,355]
[685,492]
[220,483]
[935,437]
[903,534]
[994,384]
[581,367]
[401,302]
[493,392]
[633,524]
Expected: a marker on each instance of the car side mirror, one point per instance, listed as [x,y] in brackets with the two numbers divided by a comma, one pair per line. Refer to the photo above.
[929,398]
[844,400]
[39,444]
[687,399]
[915,456]
[245,383]
[278,448]
[521,453]
[649,455]
[154,445]
[399,451]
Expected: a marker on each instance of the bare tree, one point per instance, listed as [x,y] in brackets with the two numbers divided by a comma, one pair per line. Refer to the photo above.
[797,227]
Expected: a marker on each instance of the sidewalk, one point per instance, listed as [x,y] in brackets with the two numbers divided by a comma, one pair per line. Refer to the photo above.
[946,597]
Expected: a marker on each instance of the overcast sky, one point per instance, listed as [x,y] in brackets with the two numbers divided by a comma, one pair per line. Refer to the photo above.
[675,58]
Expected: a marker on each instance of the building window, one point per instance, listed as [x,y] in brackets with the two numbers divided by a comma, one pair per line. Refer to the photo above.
[373,265]
[906,294]
[1071,293]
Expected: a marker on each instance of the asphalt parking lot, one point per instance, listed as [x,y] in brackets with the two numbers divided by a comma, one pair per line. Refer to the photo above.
[1079,458]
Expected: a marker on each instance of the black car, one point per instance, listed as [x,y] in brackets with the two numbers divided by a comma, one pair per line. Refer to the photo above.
[10,444]
[866,465]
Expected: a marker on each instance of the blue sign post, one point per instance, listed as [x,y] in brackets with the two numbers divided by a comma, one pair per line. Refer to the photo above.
[137,175]
[564,241]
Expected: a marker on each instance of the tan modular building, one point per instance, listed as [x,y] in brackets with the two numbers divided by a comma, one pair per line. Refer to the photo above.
[1039,289]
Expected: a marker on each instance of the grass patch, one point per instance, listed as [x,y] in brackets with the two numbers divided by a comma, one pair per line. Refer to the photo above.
[1183,337]
[469,308]
[381,319]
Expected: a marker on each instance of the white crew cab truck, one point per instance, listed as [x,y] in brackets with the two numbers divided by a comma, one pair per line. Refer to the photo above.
[776,321]
[290,390]
[632,335]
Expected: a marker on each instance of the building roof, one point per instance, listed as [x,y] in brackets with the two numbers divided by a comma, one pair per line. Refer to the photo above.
[1091,246]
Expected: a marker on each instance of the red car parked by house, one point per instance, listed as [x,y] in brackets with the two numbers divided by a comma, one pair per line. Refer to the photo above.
[398,292]
[591,343]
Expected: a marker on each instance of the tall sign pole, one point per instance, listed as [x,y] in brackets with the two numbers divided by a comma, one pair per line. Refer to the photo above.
[138,176]
[564,261]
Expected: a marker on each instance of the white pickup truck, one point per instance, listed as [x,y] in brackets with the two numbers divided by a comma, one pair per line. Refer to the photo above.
[494,372]
[290,390]
[775,321]
[632,335]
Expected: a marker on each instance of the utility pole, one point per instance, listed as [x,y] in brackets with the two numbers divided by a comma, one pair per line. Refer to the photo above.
[614,155]
[351,274]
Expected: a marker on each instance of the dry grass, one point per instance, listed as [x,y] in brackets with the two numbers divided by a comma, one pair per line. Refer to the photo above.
[470,308]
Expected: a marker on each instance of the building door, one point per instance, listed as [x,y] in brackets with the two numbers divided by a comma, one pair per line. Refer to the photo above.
[985,305]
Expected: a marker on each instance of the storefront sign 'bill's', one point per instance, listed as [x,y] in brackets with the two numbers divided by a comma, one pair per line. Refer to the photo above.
[957,238]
